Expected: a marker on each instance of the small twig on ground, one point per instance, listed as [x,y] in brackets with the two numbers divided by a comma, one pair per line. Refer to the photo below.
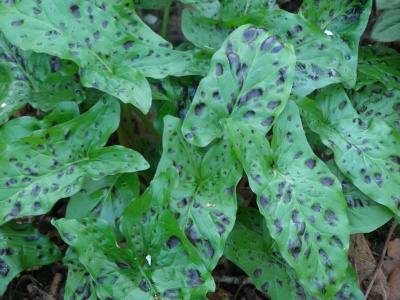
[379,266]
[55,286]
[386,257]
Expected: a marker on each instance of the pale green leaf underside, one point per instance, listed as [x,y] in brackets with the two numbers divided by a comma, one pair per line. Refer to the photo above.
[366,151]
[114,50]
[238,85]
[23,247]
[387,27]
[299,197]
[51,164]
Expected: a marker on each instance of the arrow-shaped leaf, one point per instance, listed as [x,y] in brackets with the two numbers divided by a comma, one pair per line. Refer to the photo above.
[300,199]
[112,46]
[238,86]
[157,261]
[51,164]
[366,151]
[205,200]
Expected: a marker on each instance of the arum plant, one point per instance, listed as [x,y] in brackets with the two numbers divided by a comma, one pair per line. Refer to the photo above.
[236,102]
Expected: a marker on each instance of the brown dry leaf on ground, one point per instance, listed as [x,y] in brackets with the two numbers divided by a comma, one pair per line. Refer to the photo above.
[364,263]
[391,269]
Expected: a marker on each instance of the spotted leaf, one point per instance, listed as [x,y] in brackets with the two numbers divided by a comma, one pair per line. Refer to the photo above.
[343,21]
[114,49]
[105,198]
[319,61]
[300,199]
[238,86]
[79,284]
[53,163]
[33,78]
[157,259]
[269,272]
[22,247]
[376,101]
[204,202]
[366,151]
[19,128]
[206,8]
[231,9]
[378,63]
[364,214]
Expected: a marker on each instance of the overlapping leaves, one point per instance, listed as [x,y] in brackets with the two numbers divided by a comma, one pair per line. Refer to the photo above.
[238,86]
[157,261]
[344,20]
[23,247]
[28,77]
[359,206]
[50,164]
[204,201]
[114,49]
[300,199]
[366,151]
[319,62]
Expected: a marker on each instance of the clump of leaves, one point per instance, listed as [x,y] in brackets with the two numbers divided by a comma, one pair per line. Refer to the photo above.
[150,219]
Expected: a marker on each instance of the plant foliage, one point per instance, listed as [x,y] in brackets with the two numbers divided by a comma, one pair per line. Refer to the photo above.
[148,216]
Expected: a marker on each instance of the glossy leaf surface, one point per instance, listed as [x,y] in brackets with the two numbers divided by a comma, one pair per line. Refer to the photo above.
[364,214]
[300,199]
[204,201]
[113,56]
[237,85]
[366,151]
[343,21]
[50,164]
[23,247]
[319,62]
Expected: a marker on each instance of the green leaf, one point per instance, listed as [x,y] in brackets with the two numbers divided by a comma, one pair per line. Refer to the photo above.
[319,61]
[206,8]
[384,4]
[204,202]
[376,101]
[378,63]
[366,151]
[105,199]
[364,214]
[151,4]
[50,164]
[238,87]
[345,20]
[19,128]
[300,199]
[23,247]
[79,284]
[200,61]
[269,271]
[231,9]
[387,27]
[33,78]
[157,261]
[114,49]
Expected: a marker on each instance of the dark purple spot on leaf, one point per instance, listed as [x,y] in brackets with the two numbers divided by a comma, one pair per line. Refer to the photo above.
[257,273]
[198,109]
[194,277]
[4,268]
[273,104]
[173,241]
[268,121]
[128,45]
[233,59]
[326,181]
[269,41]
[122,265]
[75,10]
[219,69]
[310,163]
[278,226]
